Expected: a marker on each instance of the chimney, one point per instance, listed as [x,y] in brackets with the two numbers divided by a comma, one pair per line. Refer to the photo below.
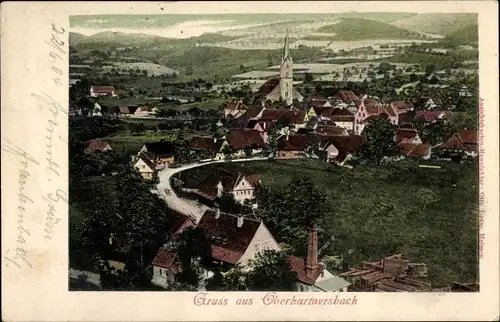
[110,239]
[312,251]
[217,213]
[287,136]
[240,221]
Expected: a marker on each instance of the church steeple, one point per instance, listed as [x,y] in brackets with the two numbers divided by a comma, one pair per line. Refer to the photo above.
[286,48]
[286,73]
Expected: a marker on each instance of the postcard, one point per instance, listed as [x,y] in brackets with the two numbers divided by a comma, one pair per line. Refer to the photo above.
[244,161]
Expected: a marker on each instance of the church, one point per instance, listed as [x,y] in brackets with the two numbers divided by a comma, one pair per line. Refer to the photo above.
[282,87]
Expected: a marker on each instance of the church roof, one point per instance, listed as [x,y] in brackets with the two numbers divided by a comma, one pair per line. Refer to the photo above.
[268,86]
[286,48]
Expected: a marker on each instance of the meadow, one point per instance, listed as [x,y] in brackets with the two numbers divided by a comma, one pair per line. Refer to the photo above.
[431,215]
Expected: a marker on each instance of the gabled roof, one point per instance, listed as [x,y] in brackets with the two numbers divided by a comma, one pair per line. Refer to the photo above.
[414,150]
[331,130]
[268,87]
[204,143]
[102,89]
[236,105]
[165,257]
[228,241]
[95,145]
[298,142]
[124,110]
[430,116]
[346,96]
[147,160]
[469,137]
[241,139]
[406,134]
[345,144]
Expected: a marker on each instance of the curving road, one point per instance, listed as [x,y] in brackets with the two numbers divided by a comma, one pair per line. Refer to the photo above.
[185,206]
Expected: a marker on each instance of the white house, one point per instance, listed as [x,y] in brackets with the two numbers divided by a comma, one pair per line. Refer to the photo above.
[241,186]
[96,91]
[143,111]
[235,239]
[145,166]
[464,92]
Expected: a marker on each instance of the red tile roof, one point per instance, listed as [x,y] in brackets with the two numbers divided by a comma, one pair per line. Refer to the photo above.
[469,137]
[331,130]
[165,257]
[431,116]
[241,139]
[414,150]
[228,241]
[341,114]
[318,102]
[95,145]
[298,142]
[103,89]
[298,265]
[124,110]
[346,144]
[268,87]
[204,143]
[406,134]
[346,96]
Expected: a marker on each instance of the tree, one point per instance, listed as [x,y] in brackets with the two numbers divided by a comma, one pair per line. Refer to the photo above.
[235,279]
[193,248]
[271,271]
[288,210]
[308,78]
[426,197]
[429,69]
[379,139]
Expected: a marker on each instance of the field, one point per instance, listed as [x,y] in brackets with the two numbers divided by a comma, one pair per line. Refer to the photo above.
[431,214]
[436,23]
[360,29]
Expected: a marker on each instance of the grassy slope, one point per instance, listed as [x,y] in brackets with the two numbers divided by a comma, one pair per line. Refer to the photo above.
[437,23]
[444,236]
[465,35]
[361,29]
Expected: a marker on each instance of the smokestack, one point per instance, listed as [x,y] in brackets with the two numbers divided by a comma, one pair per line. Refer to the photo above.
[312,252]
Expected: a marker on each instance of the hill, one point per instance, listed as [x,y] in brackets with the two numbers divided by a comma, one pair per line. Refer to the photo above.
[437,23]
[361,29]
[463,36]
[138,39]
[377,16]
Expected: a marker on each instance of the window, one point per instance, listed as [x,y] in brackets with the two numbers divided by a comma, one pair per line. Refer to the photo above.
[161,271]
[287,74]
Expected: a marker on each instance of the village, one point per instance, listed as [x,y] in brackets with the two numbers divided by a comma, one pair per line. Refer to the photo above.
[198,170]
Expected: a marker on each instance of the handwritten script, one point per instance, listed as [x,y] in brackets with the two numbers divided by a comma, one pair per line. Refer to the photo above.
[19,256]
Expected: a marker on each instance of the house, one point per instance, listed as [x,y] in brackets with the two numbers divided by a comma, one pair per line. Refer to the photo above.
[464,92]
[369,108]
[312,276]
[241,186]
[208,145]
[234,109]
[97,111]
[124,111]
[320,102]
[239,143]
[298,118]
[145,166]
[415,150]
[97,145]
[401,106]
[166,265]
[433,116]
[97,91]
[343,99]
[162,152]
[331,131]
[340,149]
[342,117]
[296,146]
[143,110]
[407,135]
[464,144]
[282,88]
[390,274]
[235,239]
[429,103]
